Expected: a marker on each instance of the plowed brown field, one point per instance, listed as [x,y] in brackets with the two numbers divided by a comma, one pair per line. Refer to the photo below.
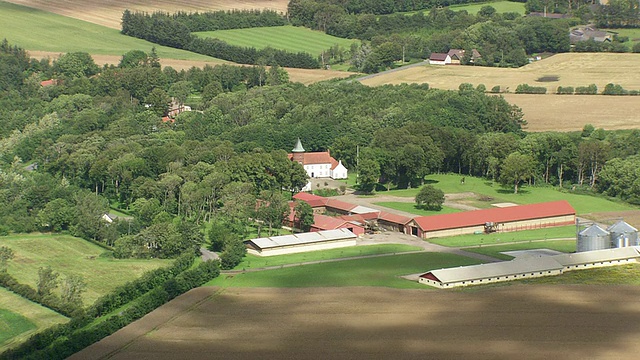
[109,13]
[513,322]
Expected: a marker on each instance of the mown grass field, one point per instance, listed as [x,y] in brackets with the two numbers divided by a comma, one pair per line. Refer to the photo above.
[633,34]
[506,237]
[411,208]
[290,38]
[252,261]
[566,246]
[32,318]
[500,6]
[34,29]
[68,255]
[450,183]
[380,271]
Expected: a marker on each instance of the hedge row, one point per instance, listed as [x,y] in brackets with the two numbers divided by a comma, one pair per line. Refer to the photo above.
[528,89]
[9,282]
[64,340]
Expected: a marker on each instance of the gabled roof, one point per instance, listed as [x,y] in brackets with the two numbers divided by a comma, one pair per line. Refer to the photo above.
[587,257]
[456,54]
[339,204]
[495,215]
[301,239]
[313,158]
[324,222]
[312,200]
[438,57]
[393,218]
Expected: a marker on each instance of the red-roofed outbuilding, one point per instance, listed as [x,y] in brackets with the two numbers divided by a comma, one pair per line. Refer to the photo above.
[323,222]
[523,217]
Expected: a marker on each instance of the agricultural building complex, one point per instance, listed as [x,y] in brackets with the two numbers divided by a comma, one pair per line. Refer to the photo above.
[296,243]
[323,222]
[529,267]
[513,218]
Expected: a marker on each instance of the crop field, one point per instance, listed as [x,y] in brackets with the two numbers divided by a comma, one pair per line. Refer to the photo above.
[541,111]
[378,271]
[509,322]
[109,13]
[290,38]
[23,318]
[61,34]
[490,192]
[68,255]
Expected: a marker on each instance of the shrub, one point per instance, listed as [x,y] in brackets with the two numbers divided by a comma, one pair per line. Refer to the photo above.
[587,90]
[528,89]
[495,89]
[565,90]
[613,89]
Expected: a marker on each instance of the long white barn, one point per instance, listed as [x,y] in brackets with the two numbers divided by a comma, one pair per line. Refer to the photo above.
[303,242]
[530,267]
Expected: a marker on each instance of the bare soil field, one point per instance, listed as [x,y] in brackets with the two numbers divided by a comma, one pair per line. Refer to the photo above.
[523,322]
[632,217]
[109,13]
[305,76]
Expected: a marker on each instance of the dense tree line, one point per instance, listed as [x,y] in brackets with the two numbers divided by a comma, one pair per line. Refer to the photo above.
[175,31]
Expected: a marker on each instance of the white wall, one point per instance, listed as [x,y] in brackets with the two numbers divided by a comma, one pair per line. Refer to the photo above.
[304,248]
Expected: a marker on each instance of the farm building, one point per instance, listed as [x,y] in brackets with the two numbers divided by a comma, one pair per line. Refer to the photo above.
[321,204]
[323,222]
[318,164]
[303,242]
[456,55]
[439,59]
[514,218]
[529,267]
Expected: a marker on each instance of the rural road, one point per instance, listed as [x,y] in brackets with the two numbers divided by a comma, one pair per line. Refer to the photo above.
[208,255]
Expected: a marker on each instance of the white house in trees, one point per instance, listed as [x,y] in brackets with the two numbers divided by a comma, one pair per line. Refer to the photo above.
[318,164]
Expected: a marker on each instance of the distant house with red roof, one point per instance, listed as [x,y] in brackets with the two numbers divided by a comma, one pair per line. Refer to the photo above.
[49,82]
[318,164]
[515,218]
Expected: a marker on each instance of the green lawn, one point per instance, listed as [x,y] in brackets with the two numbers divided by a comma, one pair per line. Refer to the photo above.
[24,318]
[12,325]
[614,275]
[253,261]
[493,193]
[500,6]
[411,208]
[69,255]
[380,271]
[34,29]
[290,38]
[514,236]
[566,246]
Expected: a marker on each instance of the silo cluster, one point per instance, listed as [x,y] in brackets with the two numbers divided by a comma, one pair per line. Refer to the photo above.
[617,235]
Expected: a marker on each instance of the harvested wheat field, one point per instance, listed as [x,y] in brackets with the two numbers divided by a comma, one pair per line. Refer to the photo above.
[572,112]
[109,13]
[523,322]
[632,217]
[305,76]
[571,69]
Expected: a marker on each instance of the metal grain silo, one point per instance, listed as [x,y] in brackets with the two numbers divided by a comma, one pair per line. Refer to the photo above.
[623,234]
[593,238]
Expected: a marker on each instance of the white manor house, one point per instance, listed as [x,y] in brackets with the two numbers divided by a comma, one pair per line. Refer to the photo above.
[318,164]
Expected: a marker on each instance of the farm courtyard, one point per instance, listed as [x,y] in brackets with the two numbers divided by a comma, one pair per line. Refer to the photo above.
[526,322]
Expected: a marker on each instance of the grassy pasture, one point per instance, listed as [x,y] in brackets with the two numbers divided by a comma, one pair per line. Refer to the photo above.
[411,208]
[450,183]
[566,246]
[61,34]
[109,13]
[290,38]
[379,271]
[31,318]
[69,255]
[500,6]
[252,261]
[633,34]
[507,237]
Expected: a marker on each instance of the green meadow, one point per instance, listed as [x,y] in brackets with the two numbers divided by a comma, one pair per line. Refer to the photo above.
[559,232]
[500,6]
[289,38]
[379,271]
[565,246]
[490,192]
[68,255]
[21,318]
[38,30]
[411,208]
[253,261]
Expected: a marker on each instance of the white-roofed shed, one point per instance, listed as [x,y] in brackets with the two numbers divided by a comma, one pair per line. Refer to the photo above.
[295,243]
